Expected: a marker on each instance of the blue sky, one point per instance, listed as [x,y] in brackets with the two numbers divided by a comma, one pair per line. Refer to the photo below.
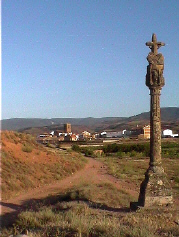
[85,58]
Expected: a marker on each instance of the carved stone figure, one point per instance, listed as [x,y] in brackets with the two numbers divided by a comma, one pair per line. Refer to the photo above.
[154,77]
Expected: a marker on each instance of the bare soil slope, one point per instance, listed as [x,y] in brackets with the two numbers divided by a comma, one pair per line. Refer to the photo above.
[27,165]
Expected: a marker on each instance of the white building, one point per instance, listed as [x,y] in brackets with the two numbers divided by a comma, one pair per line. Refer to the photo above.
[52,133]
[111,134]
[169,133]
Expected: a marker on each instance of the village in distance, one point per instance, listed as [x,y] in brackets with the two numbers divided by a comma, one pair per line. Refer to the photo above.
[67,135]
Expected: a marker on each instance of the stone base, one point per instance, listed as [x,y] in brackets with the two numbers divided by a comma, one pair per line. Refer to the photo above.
[155,190]
[134,206]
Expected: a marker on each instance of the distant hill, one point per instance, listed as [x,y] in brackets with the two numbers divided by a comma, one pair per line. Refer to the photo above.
[169,115]
[16,124]
[20,123]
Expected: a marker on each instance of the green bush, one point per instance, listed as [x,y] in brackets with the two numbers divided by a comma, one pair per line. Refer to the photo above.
[132,149]
[170,149]
[88,151]
[27,148]
[170,145]
[133,154]
[76,148]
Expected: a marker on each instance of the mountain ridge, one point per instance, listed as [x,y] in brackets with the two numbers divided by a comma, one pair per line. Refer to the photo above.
[168,115]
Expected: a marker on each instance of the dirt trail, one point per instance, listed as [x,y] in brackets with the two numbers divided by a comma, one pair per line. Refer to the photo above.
[94,172]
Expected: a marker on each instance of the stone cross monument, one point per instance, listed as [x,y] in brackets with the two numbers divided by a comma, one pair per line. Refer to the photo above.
[155,82]
[155,189]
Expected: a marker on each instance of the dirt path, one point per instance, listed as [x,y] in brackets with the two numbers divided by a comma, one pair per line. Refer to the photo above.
[93,172]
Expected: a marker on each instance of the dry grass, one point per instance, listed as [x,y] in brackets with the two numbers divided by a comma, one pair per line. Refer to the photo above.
[129,169]
[133,169]
[85,212]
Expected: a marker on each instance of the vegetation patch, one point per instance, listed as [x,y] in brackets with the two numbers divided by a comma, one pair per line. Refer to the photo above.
[129,169]
[76,214]
[27,148]
[88,151]
[130,149]
[119,150]
[170,149]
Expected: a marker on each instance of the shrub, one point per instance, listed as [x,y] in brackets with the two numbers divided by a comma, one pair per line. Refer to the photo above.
[170,149]
[88,151]
[128,148]
[76,148]
[120,154]
[133,154]
[27,148]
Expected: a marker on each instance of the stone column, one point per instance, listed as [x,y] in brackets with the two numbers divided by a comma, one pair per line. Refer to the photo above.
[155,130]
[155,189]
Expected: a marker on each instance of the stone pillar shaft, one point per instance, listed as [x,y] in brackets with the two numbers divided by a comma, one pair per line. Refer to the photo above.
[155,128]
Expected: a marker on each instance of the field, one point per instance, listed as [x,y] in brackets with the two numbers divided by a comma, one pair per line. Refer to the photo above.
[97,204]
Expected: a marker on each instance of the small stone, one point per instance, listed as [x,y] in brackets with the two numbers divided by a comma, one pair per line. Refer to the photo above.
[160,182]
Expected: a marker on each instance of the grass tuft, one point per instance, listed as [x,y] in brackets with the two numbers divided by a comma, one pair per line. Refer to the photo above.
[27,148]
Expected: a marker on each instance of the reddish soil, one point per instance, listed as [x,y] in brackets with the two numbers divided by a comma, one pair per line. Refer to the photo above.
[36,156]
[93,172]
